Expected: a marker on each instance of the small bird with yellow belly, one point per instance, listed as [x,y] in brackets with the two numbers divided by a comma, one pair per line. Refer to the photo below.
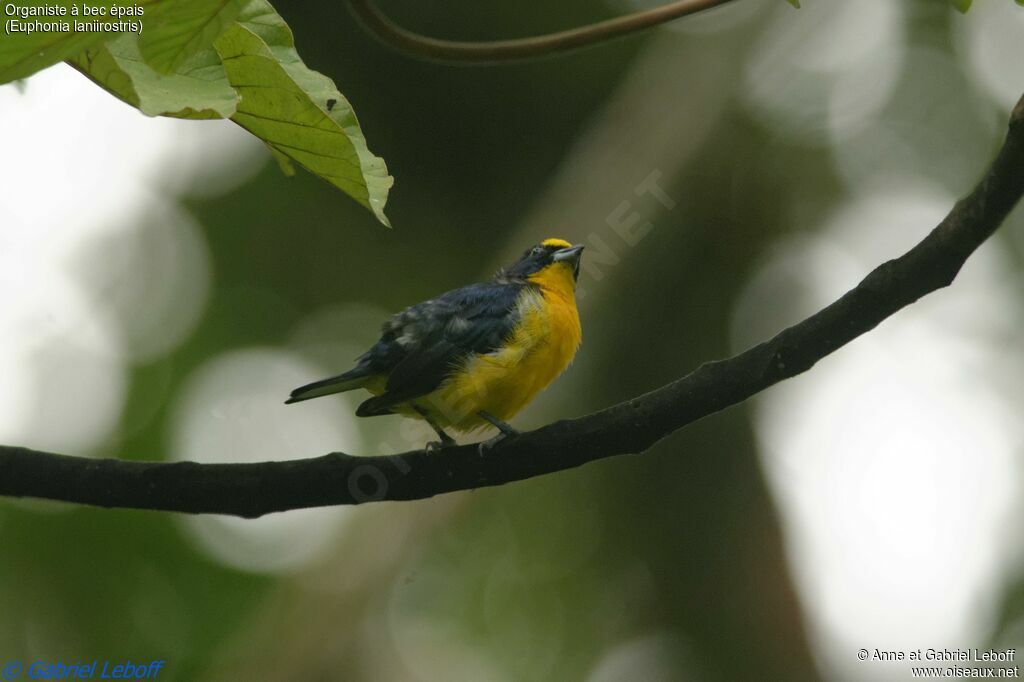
[472,357]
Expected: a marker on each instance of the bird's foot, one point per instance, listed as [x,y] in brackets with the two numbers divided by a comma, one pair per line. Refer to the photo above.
[504,431]
[486,446]
[438,445]
[435,445]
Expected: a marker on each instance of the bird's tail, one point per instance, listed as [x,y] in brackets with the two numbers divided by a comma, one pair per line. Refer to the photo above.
[354,378]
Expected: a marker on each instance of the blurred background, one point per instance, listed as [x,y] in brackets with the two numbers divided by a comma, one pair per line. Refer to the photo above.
[164,287]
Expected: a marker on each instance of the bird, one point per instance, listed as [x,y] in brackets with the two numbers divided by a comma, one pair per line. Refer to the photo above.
[472,357]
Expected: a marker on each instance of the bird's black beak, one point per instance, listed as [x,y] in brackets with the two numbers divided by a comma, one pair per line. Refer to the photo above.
[570,255]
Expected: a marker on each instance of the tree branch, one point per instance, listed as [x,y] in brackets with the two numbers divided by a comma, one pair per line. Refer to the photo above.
[490,52]
[252,490]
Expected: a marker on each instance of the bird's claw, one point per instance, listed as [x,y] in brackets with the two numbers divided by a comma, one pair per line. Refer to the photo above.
[438,445]
[485,446]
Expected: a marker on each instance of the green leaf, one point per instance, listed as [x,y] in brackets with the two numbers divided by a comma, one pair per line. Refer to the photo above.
[297,111]
[283,162]
[251,74]
[962,5]
[22,54]
[199,89]
[181,28]
[795,3]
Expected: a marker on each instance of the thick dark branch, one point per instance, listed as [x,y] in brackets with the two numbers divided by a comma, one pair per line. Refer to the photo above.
[491,52]
[629,427]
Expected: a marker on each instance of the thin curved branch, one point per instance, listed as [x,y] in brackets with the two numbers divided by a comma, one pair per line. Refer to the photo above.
[252,490]
[490,52]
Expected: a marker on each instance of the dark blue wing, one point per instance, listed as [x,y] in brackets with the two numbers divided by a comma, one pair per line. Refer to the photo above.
[420,345]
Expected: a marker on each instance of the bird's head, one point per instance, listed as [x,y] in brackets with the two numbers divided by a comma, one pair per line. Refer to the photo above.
[552,258]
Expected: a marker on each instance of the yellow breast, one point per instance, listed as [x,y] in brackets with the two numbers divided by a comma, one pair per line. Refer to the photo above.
[542,346]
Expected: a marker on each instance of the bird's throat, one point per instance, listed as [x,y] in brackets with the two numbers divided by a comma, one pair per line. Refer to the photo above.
[556,280]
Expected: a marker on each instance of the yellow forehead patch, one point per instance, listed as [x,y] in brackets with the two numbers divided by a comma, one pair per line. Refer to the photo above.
[560,243]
